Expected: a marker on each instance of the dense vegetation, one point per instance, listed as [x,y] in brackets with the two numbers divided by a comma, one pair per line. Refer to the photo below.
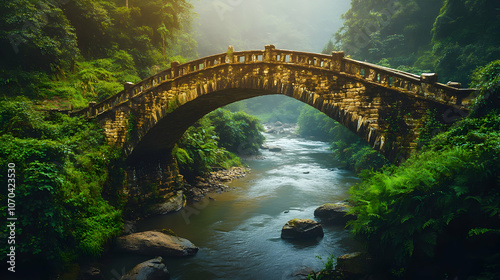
[62,166]
[214,140]
[63,54]
[438,214]
[348,148]
[449,37]
[67,53]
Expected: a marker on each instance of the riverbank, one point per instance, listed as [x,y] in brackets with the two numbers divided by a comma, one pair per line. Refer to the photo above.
[213,182]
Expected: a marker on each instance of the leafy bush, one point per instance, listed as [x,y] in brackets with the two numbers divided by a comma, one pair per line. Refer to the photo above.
[210,143]
[198,152]
[449,190]
[441,208]
[487,80]
[238,132]
[61,167]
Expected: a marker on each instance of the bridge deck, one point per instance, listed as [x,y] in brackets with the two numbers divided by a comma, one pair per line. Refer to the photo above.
[425,86]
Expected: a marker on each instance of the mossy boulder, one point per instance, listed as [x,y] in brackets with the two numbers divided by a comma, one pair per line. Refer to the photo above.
[334,213]
[302,228]
[153,269]
[154,243]
[355,263]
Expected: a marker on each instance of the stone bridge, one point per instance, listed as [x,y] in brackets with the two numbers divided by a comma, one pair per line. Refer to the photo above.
[383,106]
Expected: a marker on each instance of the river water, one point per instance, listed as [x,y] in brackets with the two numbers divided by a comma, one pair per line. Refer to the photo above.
[238,232]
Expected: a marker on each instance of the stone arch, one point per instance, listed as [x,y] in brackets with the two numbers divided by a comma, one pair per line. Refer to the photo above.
[147,118]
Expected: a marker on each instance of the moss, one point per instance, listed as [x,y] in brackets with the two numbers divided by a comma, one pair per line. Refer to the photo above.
[168,231]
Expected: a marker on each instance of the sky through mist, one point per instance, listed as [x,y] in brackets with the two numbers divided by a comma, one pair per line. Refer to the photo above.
[298,25]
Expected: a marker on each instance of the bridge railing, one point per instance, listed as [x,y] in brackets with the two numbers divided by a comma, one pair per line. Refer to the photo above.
[375,74]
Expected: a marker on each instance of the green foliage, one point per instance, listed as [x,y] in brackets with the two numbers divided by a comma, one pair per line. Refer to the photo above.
[210,143]
[456,55]
[347,147]
[328,272]
[413,35]
[237,132]
[430,128]
[394,30]
[419,212]
[487,80]
[316,124]
[197,152]
[36,35]
[68,53]
[61,168]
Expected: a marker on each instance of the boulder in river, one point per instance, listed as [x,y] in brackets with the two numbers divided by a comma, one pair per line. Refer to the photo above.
[334,213]
[173,204]
[128,227]
[153,243]
[301,273]
[275,149]
[153,269]
[302,228]
[90,272]
[355,263]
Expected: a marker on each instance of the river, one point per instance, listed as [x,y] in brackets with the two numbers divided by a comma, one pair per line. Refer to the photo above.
[238,232]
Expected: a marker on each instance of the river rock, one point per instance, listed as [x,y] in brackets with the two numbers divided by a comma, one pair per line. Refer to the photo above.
[334,213]
[90,272]
[153,269]
[173,204]
[275,149]
[128,227]
[153,243]
[302,228]
[355,263]
[301,273]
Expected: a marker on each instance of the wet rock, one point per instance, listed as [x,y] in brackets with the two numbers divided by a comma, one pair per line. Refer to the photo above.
[301,228]
[264,147]
[128,227]
[153,243]
[355,263]
[301,273]
[90,272]
[153,269]
[275,149]
[334,213]
[225,179]
[173,204]
[278,123]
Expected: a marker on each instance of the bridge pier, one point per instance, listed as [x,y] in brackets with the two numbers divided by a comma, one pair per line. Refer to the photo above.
[150,181]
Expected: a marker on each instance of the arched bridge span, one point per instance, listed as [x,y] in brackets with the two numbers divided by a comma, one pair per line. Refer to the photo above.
[383,106]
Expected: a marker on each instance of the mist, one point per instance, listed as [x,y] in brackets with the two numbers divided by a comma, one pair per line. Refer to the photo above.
[251,24]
